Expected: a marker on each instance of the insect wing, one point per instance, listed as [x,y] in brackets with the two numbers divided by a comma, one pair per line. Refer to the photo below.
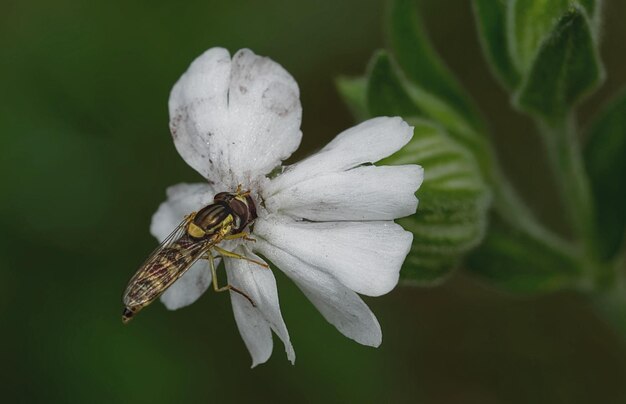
[164,266]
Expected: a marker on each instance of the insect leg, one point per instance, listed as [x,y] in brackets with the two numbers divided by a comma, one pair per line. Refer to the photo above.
[216,288]
[244,235]
[238,191]
[230,254]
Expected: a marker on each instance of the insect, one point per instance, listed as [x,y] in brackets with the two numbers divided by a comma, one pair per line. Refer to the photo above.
[196,237]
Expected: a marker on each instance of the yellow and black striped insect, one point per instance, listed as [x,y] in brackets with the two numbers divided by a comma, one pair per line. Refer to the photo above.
[196,237]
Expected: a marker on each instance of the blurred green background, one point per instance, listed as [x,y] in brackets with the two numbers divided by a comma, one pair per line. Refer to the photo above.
[86,157]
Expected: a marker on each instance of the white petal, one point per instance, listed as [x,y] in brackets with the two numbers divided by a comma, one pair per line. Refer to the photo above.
[368,142]
[235,120]
[364,256]
[183,199]
[189,287]
[339,305]
[363,193]
[254,329]
[259,284]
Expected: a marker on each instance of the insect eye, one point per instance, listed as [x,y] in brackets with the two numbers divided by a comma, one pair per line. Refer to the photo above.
[127,313]
[251,208]
[239,208]
[222,196]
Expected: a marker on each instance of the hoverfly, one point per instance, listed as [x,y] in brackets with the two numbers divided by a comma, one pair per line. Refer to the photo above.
[196,237]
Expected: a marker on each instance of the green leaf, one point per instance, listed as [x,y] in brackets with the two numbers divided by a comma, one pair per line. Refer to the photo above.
[512,260]
[385,93]
[390,93]
[566,68]
[592,7]
[421,63]
[353,89]
[491,20]
[605,158]
[451,216]
[529,22]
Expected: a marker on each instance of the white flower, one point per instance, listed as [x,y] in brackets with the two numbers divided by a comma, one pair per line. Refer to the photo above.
[326,222]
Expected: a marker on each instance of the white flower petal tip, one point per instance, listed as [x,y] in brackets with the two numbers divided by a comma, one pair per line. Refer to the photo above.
[255,322]
[364,256]
[368,142]
[362,193]
[235,119]
[339,305]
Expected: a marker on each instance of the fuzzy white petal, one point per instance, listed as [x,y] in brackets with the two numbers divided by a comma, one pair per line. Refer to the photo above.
[260,285]
[364,256]
[182,199]
[254,329]
[339,305]
[362,193]
[235,120]
[368,142]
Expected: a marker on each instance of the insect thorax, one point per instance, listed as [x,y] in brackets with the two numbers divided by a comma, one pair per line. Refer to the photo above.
[229,213]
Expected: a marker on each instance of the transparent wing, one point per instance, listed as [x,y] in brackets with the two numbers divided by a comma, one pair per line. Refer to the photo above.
[168,262]
[178,232]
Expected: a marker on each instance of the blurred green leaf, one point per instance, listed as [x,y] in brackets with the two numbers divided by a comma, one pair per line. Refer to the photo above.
[611,306]
[594,11]
[531,21]
[491,21]
[605,158]
[591,6]
[451,217]
[352,90]
[421,63]
[390,93]
[385,92]
[512,260]
[566,68]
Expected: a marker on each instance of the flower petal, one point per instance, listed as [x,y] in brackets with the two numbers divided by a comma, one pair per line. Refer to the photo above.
[182,199]
[254,329]
[259,284]
[235,120]
[339,305]
[362,193]
[364,256]
[368,142]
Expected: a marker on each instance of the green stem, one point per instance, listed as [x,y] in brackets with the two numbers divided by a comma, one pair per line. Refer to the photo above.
[565,157]
[512,210]
[510,206]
